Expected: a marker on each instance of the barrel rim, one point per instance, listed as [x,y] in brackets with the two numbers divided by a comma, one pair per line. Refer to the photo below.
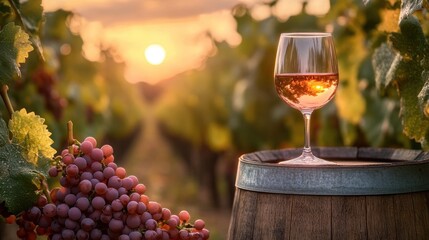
[406,173]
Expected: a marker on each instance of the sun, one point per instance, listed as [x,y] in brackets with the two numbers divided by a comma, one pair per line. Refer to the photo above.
[155,54]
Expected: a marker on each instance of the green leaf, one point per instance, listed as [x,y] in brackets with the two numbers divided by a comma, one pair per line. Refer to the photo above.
[4,134]
[408,7]
[415,123]
[19,179]
[14,49]
[423,96]
[32,17]
[29,132]
[384,61]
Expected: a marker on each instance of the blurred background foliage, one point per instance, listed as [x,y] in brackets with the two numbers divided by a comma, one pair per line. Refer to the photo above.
[210,116]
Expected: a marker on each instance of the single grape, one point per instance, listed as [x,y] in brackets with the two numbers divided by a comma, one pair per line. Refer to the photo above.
[92,141]
[70,199]
[184,216]
[150,224]
[117,205]
[122,191]
[112,165]
[98,202]
[81,235]
[114,182]
[80,162]
[145,216]
[74,213]
[132,207]
[85,186]
[109,159]
[72,170]
[62,210]
[50,210]
[34,213]
[135,197]
[206,233]
[140,188]
[95,234]
[150,235]
[166,213]
[199,224]
[97,155]
[124,237]
[82,203]
[67,234]
[86,176]
[127,183]
[183,234]
[107,150]
[96,166]
[70,224]
[116,225]
[154,207]
[133,221]
[141,208]
[53,172]
[45,221]
[124,199]
[111,194]
[68,159]
[100,188]
[135,235]
[108,172]
[120,172]
[87,224]
[86,147]
[105,218]
[99,175]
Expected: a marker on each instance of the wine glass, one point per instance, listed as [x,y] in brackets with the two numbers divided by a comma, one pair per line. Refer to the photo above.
[306,78]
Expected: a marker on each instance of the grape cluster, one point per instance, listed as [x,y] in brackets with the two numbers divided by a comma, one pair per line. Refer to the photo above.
[97,200]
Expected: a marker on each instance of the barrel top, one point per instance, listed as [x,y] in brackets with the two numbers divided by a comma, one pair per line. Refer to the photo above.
[359,171]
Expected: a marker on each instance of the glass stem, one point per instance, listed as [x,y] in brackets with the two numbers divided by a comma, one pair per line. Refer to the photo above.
[307,148]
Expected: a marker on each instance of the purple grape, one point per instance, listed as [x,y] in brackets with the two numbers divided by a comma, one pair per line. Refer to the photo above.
[150,235]
[116,225]
[96,166]
[111,194]
[97,155]
[127,183]
[98,203]
[70,199]
[74,213]
[135,235]
[124,237]
[81,235]
[95,234]
[72,170]
[85,186]
[80,162]
[87,224]
[150,224]
[86,147]
[70,224]
[99,175]
[53,172]
[67,234]
[82,203]
[50,210]
[100,188]
[108,172]
[114,182]
[133,221]
[132,207]
[117,205]
[86,176]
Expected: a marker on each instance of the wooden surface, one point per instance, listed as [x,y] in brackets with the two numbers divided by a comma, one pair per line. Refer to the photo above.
[262,215]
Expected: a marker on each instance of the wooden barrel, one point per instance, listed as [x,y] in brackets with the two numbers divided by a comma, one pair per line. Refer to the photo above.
[373,193]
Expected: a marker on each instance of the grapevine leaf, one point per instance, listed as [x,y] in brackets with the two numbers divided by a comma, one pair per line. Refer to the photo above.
[411,41]
[408,7]
[29,132]
[32,16]
[423,96]
[14,49]
[4,133]
[383,61]
[415,123]
[19,180]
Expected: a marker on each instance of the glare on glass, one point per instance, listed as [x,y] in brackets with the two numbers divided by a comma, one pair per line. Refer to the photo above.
[306,78]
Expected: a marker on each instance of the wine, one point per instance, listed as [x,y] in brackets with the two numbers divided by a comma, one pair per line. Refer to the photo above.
[306,91]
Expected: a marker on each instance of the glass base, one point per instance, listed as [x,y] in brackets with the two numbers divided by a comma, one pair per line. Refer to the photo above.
[307,159]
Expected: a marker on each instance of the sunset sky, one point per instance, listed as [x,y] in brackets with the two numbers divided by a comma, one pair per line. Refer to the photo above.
[180,27]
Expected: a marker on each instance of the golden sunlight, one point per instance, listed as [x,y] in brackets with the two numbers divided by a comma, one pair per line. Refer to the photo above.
[155,54]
